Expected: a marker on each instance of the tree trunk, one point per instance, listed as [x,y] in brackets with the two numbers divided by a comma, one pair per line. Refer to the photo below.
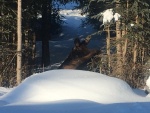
[124,32]
[118,39]
[45,34]
[135,48]
[34,46]
[125,50]
[108,45]
[143,55]
[134,55]
[19,44]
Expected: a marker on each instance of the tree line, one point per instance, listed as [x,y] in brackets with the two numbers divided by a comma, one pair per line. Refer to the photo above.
[127,39]
[39,20]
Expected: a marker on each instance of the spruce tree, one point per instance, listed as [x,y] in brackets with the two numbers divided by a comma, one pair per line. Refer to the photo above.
[132,38]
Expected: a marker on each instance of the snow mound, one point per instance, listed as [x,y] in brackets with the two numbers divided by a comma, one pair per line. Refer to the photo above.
[65,84]
[148,82]
[4,90]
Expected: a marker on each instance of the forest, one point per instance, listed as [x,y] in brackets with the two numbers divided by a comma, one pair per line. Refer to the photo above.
[126,54]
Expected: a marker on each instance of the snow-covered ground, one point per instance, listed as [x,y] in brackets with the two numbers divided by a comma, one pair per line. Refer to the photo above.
[73,91]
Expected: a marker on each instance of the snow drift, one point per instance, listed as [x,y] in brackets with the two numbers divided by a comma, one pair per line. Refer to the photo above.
[70,84]
[73,91]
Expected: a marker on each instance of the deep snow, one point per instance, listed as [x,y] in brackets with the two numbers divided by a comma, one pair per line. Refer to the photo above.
[73,91]
[71,84]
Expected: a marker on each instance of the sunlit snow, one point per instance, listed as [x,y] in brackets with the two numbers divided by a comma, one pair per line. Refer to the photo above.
[148,82]
[108,16]
[117,16]
[71,84]
[74,91]
[132,25]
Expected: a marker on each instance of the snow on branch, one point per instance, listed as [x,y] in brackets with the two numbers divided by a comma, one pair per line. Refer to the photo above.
[109,15]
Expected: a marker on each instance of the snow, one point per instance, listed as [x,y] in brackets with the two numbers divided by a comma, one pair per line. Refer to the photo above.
[73,13]
[132,25]
[109,15]
[4,90]
[73,91]
[148,82]
[117,16]
[72,27]
[49,85]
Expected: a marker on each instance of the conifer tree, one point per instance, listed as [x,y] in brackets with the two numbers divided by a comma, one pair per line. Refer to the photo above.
[132,38]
